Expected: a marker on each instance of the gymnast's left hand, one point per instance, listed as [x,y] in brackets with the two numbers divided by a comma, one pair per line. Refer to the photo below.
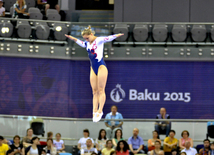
[119,34]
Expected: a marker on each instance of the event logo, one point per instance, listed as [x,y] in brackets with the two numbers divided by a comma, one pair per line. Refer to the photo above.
[117,94]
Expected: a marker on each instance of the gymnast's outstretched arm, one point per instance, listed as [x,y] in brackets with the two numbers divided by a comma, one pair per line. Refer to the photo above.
[79,42]
[110,38]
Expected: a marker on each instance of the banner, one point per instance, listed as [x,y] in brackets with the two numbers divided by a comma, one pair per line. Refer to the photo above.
[61,88]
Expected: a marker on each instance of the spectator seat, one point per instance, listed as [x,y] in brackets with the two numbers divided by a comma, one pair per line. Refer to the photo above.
[199,33]
[160,33]
[121,28]
[140,32]
[179,33]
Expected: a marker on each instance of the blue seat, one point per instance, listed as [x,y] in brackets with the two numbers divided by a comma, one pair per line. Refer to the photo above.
[65,154]
[199,146]
[210,123]
[11,141]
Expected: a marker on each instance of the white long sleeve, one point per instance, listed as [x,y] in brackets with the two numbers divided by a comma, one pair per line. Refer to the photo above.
[108,39]
[81,43]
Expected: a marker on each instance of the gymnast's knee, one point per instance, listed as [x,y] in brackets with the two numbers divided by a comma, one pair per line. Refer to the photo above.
[101,91]
[95,92]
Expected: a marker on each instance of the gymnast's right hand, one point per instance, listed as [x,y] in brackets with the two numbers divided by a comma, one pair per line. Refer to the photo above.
[70,37]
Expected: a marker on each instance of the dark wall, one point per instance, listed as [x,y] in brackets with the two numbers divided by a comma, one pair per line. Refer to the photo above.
[164,11]
[202,11]
[170,11]
[118,10]
[137,10]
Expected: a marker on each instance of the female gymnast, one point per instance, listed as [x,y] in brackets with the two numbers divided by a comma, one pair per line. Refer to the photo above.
[98,74]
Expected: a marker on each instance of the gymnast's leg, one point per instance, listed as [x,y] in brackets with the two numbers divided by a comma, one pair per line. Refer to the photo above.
[102,79]
[94,86]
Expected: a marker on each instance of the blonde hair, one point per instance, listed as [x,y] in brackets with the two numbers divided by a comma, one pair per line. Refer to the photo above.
[88,31]
[23,2]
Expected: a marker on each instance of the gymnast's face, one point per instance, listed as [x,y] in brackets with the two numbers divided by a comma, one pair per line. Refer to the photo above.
[88,38]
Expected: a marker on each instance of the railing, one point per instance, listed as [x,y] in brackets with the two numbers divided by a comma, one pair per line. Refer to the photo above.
[89,119]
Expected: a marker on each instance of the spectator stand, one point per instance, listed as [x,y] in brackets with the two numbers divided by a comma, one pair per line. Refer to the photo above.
[73,149]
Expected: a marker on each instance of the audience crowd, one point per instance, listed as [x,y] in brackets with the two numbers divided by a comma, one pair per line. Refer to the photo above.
[110,141]
[20,8]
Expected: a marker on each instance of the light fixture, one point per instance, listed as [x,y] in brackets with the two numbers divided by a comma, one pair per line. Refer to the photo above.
[68,25]
[143,49]
[182,49]
[106,56]
[200,53]
[150,53]
[127,53]
[8,49]
[112,49]
[212,50]
[73,53]
[143,53]
[112,53]
[166,53]
[212,53]
[67,52]
[105,49]
[188,53]
[2,44]
[19,50]
[5,30]
[73,49]
[105,52]
[58,28]
[166,49]
[36,47]
[8,45]
[127,49]
[2,48]
[52,48]
[30,50]
[188,50]
[67,49]
[37,51]
[52,52]
[150,49]
[19,46]
[31,46]
[200,50]
[181,53]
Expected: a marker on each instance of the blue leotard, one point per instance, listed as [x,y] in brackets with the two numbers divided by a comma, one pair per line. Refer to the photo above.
[95,51]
